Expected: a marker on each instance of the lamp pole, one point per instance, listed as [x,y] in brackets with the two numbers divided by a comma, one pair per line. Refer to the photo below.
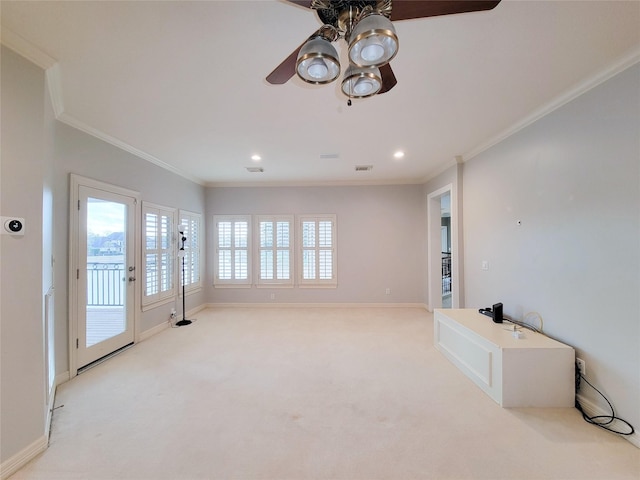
[181,253]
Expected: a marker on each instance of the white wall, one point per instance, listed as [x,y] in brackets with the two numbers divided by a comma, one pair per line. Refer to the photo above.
[380,239]
[573,180]
[21,324]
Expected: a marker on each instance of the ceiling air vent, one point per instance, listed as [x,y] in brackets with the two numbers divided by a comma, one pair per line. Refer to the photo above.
[329,155]
[364,168]
[255,169]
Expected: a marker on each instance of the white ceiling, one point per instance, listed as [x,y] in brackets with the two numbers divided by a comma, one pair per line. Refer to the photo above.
[183,83]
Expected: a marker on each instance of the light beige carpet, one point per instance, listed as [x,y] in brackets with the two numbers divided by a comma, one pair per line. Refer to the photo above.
[293,393]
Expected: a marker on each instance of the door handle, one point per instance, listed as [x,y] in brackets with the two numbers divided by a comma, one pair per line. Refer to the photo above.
[132,279]
[131,269]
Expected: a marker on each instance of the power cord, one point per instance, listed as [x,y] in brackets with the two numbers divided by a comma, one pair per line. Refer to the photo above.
[603,421]
[522,324]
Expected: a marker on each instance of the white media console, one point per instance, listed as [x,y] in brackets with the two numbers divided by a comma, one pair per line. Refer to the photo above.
[530,371]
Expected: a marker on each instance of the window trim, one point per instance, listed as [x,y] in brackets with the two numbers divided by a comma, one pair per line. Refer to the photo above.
[197,217]
[316,282]
[274,283]
[162,296]
[232,283]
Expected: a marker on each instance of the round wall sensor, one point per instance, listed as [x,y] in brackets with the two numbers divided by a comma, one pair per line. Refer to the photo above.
[12,226]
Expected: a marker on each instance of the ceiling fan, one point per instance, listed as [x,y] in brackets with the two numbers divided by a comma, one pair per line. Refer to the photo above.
[366,27]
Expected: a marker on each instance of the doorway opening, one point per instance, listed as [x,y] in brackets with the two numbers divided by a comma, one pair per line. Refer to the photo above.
[445,250]
[443,281]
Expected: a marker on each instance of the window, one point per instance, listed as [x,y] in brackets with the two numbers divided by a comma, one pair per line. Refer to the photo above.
[271,250]
[232,250]
[192,230]
[159,253]
[275,240]
[317,266]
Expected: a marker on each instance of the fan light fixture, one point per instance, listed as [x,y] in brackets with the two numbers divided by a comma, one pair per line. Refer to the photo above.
[366,28]
[318,61]
[373,42]
[361,82]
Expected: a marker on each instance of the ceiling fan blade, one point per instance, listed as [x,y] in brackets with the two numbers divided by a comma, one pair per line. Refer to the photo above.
[388,78]
[287,69]
[408,9]
[302,3]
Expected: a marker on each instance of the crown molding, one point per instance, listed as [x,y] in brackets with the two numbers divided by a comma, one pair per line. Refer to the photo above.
[28,50]
[440,170]
[622,63]
[83,127]
[333,183]
[54,84]
[50,65]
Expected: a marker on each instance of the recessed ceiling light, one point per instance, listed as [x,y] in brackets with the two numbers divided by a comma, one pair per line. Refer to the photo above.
[256,158]
[399,154]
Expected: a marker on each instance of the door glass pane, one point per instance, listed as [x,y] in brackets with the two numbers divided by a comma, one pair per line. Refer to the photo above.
[106,275]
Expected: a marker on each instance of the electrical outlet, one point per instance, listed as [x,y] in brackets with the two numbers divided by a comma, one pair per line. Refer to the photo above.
[582,367]
[173,313]
[387,291]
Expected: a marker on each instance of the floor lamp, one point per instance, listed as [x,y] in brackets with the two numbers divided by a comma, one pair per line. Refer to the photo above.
[181,254]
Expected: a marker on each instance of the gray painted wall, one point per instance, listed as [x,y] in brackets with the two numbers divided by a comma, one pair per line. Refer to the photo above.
[573,180]
[81,154]
[23,406]
[38,154]
[380,239]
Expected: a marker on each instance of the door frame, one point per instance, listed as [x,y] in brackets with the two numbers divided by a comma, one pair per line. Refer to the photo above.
[434,255]
[76,181]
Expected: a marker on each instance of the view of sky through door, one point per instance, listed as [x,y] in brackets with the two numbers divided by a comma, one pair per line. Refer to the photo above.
[106,275]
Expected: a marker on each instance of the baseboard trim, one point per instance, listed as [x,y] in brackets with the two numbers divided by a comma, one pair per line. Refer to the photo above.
[62,378]
[592,410]
[153,331]
[315,305]
[193,311]
[50,406]
[164,325]
[20,459]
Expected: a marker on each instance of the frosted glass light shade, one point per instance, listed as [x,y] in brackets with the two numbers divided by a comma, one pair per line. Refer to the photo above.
[318,62]
[361,82]
[373,42]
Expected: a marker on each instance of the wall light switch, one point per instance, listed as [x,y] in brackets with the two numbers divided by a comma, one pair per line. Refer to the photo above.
[484,265]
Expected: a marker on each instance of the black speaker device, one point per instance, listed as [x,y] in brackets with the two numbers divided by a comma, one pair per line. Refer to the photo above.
[497,312]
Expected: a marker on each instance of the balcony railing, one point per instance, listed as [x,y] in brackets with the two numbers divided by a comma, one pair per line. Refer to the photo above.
[446,273]
[105,284]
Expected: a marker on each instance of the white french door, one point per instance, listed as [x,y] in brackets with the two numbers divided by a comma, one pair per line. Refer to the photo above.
[103,270]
